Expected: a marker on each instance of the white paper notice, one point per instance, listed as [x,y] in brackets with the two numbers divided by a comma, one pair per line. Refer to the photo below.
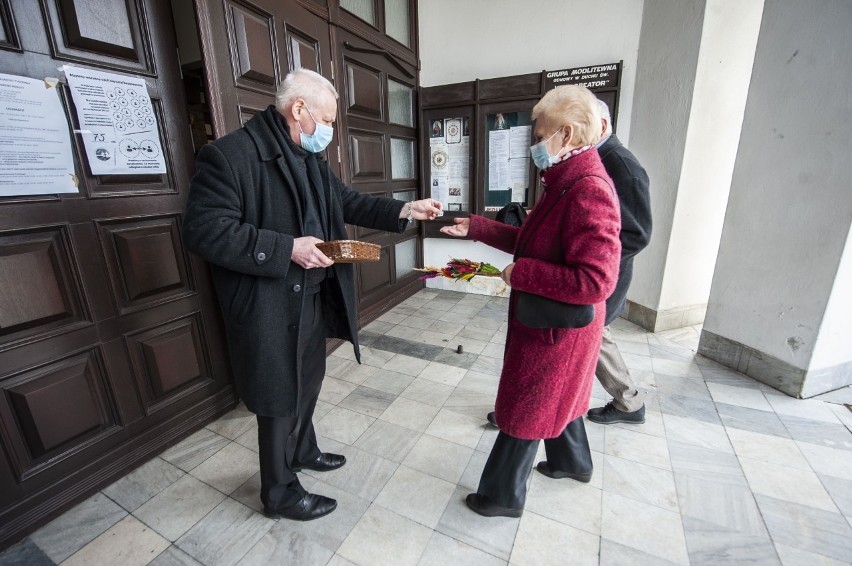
[120,132]
[520,142]
[35,145]
[441,189]
[498,161]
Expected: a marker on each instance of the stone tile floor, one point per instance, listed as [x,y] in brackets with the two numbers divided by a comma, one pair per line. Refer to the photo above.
[724,471]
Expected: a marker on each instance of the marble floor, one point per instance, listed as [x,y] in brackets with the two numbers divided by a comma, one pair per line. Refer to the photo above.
[724,471]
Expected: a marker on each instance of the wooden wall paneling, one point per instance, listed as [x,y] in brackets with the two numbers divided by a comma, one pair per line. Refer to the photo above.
[8,29]
[105,33]
[253,54]
[54,410]
[41,288]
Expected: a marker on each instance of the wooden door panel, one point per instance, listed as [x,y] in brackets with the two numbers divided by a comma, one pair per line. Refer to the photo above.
[111,344]
[367,153]
[304,51]
[8,31]
[373,277]
[146,261]
[41,288]
[104,33]
[251,34]
[169,361]
[52,410]
[364,91]
[365,117]
[249,46]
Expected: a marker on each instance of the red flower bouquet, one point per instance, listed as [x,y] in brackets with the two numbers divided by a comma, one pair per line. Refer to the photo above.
[463,269]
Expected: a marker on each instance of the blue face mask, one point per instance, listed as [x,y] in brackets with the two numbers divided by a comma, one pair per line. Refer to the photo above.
[541,157]
[317,141]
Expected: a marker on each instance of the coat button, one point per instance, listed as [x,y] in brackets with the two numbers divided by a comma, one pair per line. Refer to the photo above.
[297,288]
[261,256]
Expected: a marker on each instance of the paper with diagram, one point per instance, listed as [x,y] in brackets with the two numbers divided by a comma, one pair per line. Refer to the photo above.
[117,122]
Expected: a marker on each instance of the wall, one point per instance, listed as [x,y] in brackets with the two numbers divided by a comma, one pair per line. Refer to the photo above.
[498,38]
[483,39]
[667,64]
[833,345]
[728,42]
[790,207]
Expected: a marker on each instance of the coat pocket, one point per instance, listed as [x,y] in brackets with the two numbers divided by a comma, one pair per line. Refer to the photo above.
[241,298]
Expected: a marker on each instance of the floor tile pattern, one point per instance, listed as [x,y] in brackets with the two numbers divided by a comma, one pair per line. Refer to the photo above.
[724,471]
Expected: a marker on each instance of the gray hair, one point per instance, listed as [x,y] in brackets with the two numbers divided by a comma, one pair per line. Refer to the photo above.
[605,115]
[304,84]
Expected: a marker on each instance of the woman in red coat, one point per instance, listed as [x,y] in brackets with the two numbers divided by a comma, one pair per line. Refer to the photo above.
[567,250]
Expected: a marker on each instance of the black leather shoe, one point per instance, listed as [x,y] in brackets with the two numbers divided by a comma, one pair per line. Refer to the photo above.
[609,414]
[487,508]
[312,506]
[545,469]
[325,463]
[492,419]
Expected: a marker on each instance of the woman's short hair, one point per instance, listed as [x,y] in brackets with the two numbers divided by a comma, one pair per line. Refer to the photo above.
[572,105]
[304,84]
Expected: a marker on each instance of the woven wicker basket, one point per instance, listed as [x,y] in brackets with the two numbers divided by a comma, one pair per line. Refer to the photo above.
[350,251]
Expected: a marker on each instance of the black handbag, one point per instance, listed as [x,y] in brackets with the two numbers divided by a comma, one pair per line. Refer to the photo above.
[536,311]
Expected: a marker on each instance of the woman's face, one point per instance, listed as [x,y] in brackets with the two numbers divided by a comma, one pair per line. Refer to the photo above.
[555,132]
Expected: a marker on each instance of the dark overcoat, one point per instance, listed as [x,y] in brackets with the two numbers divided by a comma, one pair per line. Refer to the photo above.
[570,255]
[634,197]
[243,212]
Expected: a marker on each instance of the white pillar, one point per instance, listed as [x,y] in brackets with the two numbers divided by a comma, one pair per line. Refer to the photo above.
[780,306]
[695,60]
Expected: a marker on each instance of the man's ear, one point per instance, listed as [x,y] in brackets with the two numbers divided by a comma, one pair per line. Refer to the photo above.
[296,109]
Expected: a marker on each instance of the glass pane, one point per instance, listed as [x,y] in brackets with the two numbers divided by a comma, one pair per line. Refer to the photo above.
[402,159]
[406,257]
[396,20]
[364,9]
[400,104]
[407,196]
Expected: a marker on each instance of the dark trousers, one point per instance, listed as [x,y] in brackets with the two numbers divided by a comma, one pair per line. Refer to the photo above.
[504,479]
[285,443]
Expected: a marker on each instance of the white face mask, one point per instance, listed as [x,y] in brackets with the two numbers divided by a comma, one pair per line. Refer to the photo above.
[541,157]
[317,141]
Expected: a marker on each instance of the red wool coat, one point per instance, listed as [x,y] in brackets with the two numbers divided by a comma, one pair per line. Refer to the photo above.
[570,255]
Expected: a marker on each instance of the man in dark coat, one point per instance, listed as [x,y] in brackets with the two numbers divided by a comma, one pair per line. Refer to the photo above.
[262,198]
[631,184]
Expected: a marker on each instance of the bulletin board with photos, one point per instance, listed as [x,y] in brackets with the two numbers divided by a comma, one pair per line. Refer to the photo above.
[450,160]
[476,138]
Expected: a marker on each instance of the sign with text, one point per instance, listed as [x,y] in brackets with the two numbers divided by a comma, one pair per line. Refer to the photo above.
[598,76]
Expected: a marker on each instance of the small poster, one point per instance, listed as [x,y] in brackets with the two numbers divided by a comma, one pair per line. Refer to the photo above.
[117,122]
[35,144]
[449,141]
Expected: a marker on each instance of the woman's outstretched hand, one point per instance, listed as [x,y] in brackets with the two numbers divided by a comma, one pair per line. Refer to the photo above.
[459,229]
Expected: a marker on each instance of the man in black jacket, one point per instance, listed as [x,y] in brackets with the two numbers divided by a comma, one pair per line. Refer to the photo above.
[631,184]
[262,198]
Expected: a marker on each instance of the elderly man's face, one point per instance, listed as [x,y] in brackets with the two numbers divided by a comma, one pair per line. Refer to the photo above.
[323,110]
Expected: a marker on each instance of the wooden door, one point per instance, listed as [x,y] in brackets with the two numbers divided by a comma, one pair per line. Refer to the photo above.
[378,123]
[110,338]
[249,46]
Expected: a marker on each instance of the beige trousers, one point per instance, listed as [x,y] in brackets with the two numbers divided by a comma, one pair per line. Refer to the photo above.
[615,378]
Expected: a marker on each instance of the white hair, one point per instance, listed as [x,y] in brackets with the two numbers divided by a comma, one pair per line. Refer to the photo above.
[605,115]
[304,84]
